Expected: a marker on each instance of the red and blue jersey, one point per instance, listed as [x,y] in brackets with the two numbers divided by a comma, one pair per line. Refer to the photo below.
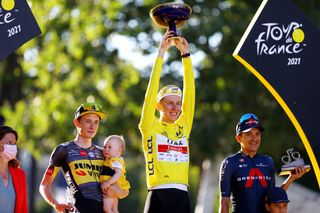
[246,180]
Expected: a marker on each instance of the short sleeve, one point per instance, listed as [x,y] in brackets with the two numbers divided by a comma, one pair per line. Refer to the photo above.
[117,164]
[58,156]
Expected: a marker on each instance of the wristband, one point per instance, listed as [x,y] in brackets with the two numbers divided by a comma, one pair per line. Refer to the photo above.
[185,55]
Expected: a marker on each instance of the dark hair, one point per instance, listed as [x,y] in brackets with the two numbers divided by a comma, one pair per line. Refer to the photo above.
[3,131]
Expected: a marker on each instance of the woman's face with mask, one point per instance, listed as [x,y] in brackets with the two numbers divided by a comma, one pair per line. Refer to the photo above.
[8,147]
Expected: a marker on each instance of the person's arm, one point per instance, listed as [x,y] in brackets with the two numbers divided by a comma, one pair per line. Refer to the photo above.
[224,204]
[149,105]
[225,179]
[297,173]
[46,192]
[188,101]
[105,185]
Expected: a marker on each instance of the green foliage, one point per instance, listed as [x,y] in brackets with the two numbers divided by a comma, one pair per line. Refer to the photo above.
[74,60]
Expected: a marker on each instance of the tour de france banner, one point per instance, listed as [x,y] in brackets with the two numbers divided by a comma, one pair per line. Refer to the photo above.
[17,25]
[281,48]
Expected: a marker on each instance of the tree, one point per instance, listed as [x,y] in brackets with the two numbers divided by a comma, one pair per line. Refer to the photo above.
[74,61]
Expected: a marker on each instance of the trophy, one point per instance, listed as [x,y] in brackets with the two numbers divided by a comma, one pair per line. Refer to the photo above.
[170,15]
[291,160]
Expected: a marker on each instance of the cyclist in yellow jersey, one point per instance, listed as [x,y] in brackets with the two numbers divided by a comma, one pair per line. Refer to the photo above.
[166,140]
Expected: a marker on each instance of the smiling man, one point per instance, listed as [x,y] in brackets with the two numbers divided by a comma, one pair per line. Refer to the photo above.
[166,139]
[81,162]
[247,176]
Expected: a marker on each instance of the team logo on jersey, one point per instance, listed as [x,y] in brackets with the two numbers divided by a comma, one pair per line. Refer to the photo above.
[83,153]
[255,175]
[261,165]
[81,173]
[242,165]
[241,160]
[50,171]
[179,132]
[91,155]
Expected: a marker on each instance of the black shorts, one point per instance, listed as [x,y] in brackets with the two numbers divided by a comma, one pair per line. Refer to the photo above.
[84,205]
[167,201]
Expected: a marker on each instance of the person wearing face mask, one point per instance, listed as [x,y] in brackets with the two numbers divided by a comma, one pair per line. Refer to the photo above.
[13,186]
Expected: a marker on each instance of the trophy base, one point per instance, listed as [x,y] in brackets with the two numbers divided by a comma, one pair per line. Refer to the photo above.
[288,170]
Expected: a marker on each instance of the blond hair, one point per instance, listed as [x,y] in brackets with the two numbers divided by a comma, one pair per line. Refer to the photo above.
[120,140]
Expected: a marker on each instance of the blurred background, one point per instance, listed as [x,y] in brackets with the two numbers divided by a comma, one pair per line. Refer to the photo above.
[103,51]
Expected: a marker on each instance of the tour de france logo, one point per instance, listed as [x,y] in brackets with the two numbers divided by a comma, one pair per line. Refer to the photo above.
[7,5]
[281,39]
[8,15]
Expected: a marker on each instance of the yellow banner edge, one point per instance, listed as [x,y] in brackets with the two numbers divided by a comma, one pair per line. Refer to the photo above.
[289,113]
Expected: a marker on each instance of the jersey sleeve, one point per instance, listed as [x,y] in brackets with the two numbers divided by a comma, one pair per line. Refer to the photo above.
[273,171]
[58,156]
[117,164]
[225,178]
[149,105]
[188,101]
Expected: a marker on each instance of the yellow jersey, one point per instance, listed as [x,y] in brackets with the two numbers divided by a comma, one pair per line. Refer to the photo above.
[123,183]
[166,146]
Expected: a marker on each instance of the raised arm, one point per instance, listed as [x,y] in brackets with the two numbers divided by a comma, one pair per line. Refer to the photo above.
[188,101]
[295,174]
[149,105]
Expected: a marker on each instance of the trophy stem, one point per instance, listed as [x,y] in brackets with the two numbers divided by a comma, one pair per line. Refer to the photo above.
[172,27]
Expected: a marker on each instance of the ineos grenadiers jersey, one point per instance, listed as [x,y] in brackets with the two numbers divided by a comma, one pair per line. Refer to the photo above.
[81,168]
[246,180]
[166,146]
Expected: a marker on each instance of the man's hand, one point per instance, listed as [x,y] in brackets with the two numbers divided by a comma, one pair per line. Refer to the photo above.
[298,172]
[165,43]
[182,44]
[64,208]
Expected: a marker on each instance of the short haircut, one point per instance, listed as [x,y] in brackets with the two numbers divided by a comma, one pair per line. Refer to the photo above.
[119,139]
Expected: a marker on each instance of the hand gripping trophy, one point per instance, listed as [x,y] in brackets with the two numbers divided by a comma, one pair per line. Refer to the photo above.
[291,160]
[171,15]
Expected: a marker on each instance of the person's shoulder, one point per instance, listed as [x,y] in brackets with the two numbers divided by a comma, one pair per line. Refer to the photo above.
[97,147]
[265,157]
[233,157]
[63,146]
[120,159]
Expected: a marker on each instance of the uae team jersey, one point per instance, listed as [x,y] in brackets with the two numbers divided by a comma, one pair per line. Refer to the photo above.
[166,146]
[246,180]
[81,168]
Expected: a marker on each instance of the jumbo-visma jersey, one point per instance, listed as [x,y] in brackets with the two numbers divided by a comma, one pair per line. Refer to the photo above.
[166,146]
[81,168]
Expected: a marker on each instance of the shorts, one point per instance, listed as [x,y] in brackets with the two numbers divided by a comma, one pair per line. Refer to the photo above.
[84,205]
[167,201]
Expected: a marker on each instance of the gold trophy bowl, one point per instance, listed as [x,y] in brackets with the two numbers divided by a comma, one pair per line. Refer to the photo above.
[170,15]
